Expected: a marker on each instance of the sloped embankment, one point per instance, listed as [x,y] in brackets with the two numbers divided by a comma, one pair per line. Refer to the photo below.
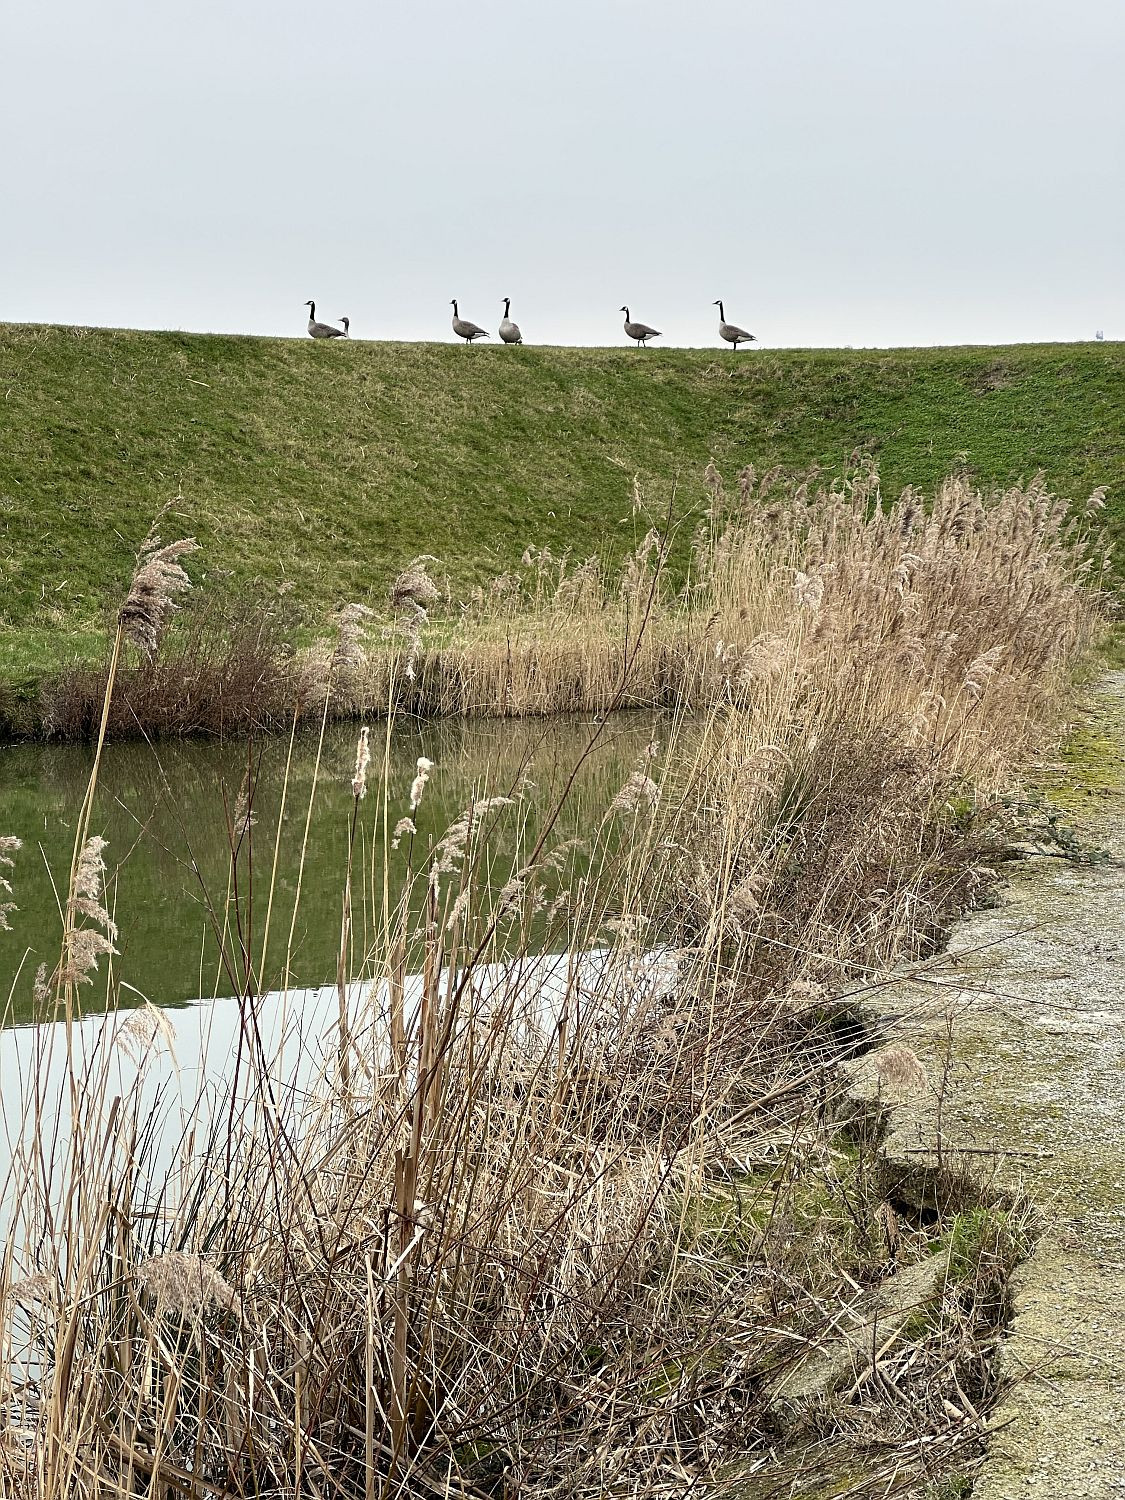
[320,472]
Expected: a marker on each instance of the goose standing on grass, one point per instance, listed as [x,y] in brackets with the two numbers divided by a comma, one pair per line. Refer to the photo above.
[464,329]
[730,331]
[321,330]
[509,331]
[347,322]
[639,331]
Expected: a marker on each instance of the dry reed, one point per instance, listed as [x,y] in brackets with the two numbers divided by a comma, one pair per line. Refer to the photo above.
[511,1236]
[782,578]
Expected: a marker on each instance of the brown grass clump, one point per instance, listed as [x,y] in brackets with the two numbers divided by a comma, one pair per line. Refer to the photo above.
[227,670]
[781,579]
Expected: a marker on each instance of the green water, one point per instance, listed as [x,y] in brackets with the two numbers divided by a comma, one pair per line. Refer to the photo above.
[164,811]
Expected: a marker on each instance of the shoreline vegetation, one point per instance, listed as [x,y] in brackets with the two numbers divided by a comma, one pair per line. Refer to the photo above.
[559,635]
[597,1251]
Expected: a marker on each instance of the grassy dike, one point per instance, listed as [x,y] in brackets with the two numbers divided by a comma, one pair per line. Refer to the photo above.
[320,470]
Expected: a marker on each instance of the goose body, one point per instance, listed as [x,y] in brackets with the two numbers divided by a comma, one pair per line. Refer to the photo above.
[464,329]
[639,331]
[321,330]
[731,332]
[509,331]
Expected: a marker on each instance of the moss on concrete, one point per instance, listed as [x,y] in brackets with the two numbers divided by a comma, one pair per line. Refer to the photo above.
[1090,766]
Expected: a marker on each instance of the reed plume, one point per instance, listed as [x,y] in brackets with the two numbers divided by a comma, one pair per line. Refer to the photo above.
[158,579]
[898,1067]
[362,761]
[414,586]
[418,785]
[184,1284]
[349,656]
[638,792]
[450,848]
[142,1029]
[405,827]
[84,945]
[9,845]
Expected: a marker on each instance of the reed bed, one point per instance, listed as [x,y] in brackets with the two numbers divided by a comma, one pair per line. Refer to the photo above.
[780,574]
[557,1229]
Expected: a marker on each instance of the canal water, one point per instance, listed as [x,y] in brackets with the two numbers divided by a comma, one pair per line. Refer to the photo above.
[165,812]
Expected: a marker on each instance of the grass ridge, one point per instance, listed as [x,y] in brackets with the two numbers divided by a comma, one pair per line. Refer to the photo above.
[321,470]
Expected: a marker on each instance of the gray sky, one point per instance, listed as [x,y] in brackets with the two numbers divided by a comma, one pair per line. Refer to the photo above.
[840,171]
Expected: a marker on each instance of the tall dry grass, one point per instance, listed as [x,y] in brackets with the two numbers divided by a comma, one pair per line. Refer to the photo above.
[780,574]
[500,1234]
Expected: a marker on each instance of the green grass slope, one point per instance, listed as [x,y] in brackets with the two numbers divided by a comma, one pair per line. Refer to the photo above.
[328,466]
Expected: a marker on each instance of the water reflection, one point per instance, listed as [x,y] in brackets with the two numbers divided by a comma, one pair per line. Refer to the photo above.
[165,810]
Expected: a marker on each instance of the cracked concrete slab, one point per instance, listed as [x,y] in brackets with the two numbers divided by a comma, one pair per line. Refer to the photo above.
[862,1334]
[1021,1026]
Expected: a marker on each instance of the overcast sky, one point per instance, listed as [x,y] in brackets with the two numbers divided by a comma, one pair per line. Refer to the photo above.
[839,171]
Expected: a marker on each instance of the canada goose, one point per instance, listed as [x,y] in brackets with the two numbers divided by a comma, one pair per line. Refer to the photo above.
[730,332]
[321,330]
[509,331]
[347,322]
[464,329]
[639,331]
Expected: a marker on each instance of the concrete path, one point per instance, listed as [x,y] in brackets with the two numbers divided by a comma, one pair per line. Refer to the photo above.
[1035,1092]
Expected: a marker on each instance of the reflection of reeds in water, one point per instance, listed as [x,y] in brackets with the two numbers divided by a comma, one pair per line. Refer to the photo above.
[490,1246]
[165,814]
